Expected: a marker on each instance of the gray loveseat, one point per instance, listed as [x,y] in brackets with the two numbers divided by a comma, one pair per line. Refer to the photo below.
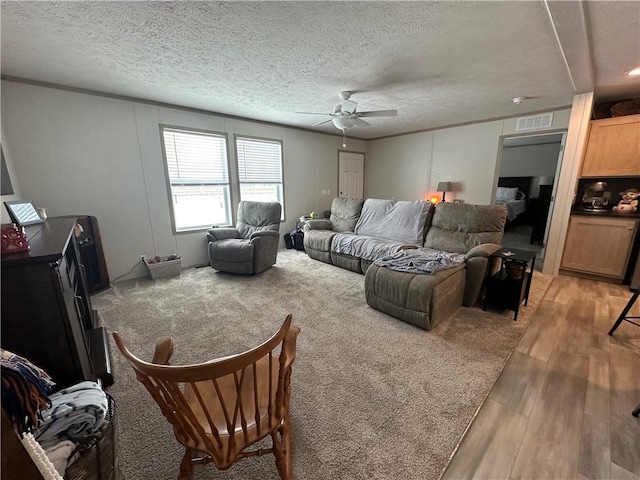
[386,226]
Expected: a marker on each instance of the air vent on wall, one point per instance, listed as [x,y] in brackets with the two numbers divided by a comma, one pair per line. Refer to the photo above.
[534,122]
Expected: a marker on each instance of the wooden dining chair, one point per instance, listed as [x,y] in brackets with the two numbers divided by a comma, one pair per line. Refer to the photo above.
[220,408]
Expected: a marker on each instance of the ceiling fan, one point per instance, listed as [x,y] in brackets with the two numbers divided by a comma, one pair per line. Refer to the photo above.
[345,114]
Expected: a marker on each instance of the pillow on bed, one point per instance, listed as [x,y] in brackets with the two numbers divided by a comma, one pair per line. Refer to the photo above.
[506,194]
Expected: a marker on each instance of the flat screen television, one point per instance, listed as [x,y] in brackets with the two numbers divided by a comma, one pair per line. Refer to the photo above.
[23,212]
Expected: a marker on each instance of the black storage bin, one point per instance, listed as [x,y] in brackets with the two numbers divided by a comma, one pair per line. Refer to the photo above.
[97,456]
[298,240]
[288,242]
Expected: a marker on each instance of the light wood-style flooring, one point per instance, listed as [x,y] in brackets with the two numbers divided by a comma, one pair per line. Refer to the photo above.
[561,408]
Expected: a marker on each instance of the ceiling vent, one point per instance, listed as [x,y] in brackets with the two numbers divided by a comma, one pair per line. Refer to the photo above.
[534,122]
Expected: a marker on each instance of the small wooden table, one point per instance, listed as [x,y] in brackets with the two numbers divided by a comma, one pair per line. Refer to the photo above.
[510,285]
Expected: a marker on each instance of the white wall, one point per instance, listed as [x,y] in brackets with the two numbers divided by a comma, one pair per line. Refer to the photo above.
[461,155]
[410,166]
[530,160]
[400,167]
[80,154]
[4,215]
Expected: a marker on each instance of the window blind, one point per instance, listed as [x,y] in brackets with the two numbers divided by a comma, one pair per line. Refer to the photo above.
[195,158]
[259,161]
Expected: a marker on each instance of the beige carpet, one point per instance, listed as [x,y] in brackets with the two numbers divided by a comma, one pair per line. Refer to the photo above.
[372,397]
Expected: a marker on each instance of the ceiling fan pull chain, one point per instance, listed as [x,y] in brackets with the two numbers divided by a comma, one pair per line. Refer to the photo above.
[344,138]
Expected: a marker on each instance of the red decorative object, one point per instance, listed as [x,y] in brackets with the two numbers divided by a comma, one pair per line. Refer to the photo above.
[13,239]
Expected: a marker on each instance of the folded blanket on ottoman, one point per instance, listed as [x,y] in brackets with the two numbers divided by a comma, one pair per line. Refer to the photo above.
[420,260]
[76,413]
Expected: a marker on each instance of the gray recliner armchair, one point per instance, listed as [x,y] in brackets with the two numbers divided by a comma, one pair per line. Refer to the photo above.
[252,246]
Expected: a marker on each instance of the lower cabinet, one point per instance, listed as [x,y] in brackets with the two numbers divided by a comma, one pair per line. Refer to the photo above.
[599,245]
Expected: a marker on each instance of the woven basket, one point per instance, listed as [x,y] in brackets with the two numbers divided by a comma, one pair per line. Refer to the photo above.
[164,268]
[97,455]
[515,271]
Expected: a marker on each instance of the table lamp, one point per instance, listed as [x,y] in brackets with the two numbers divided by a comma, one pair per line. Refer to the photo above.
[444,187]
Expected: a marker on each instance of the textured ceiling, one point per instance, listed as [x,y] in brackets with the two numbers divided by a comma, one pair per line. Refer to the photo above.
[437,63]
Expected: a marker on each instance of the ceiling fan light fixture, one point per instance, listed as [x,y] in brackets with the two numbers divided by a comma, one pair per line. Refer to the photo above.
[344,122]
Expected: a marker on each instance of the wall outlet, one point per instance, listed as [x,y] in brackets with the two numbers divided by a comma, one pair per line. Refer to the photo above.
[143,258]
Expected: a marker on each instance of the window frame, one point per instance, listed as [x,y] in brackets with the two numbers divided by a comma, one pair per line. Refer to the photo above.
[225,136]
[237,136]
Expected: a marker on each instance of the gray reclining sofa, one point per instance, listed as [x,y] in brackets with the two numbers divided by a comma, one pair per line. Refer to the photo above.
[360,232]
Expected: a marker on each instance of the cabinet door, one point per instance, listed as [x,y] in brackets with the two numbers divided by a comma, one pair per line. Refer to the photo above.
[599,246]
[78,346]
[77,278]
[613,149]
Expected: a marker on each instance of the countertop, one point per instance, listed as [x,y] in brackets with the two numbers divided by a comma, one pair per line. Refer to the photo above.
[603,213]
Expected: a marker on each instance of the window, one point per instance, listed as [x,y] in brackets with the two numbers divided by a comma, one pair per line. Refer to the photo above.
[198,176]
[260,170]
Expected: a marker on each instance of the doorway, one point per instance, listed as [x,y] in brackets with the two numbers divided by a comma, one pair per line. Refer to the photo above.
[350,174]
[526,185]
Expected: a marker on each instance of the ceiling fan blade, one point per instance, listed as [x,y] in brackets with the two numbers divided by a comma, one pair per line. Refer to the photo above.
[321,123]
[379,113]
[314,113]
[348,106]
[361,123]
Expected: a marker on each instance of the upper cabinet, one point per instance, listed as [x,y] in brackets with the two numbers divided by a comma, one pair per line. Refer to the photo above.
[613,148]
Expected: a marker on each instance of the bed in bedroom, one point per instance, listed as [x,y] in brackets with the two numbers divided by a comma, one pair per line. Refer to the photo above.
[513,192]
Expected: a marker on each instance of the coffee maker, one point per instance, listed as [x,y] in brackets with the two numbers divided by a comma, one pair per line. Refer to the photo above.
[595,196]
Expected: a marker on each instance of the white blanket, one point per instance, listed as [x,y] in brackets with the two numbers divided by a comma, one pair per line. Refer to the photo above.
[39,457]
[420,260]
[397,220]
[76,413]
[363,246]
[59,454]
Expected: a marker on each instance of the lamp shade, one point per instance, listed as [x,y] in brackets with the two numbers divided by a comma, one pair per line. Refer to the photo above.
[444,187]
[545,181]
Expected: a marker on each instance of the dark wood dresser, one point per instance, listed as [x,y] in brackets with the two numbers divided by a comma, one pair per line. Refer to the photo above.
[47,315]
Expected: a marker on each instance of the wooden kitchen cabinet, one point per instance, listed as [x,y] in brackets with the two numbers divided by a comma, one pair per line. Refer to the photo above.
[599,245]
[613,148]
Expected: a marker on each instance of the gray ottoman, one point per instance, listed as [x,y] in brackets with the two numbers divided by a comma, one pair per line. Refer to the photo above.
[422,300]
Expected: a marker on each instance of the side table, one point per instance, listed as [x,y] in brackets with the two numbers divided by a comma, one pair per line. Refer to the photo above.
[508,287]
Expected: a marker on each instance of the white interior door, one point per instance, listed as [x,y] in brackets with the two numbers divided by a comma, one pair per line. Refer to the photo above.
[350,174]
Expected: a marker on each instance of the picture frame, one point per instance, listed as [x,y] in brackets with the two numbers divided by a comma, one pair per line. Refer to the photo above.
[23,212]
